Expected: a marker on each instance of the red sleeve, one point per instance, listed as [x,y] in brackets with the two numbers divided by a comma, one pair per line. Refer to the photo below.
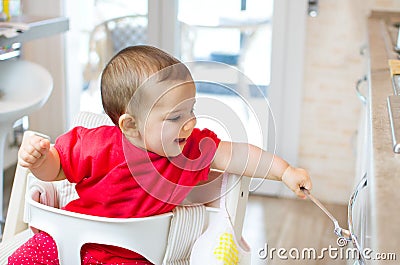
[200,151]
[201,143]
[69,147]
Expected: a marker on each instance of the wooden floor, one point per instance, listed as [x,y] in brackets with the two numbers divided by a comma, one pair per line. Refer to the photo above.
[278,223]
[290,223]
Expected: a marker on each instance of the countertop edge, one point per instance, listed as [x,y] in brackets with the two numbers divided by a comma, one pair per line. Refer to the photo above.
[384,172]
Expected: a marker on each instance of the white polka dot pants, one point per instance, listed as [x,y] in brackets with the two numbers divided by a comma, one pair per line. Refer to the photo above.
[39,249]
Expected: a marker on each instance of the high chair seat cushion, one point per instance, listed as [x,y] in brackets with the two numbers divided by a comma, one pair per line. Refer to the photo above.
[186,226]
[55,194]
[43,192]
[65,192]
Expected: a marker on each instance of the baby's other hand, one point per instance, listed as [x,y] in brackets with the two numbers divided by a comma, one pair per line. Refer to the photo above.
[33,150]
[295,179]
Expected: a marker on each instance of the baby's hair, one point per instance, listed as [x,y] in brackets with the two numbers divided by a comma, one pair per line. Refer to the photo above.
[128,70]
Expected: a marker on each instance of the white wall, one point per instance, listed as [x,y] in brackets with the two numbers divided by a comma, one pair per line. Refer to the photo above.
[48,52]
[331,110]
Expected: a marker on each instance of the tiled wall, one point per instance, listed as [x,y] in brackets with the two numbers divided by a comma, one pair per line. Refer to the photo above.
[331,109]
[385,4]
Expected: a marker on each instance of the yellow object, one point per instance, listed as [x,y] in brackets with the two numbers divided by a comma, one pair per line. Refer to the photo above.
[227,250]
[394,67]
[6,8]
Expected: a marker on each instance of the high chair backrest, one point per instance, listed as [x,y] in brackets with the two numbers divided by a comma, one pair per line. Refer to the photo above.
[147,236]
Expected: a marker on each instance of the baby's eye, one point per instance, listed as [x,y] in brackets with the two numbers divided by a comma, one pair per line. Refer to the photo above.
[174,118]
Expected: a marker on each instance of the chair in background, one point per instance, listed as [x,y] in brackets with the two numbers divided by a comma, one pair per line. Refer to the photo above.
[115,231]
[106,39]
[111,36]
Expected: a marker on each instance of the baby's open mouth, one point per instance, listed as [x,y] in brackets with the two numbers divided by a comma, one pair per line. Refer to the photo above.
[180,140]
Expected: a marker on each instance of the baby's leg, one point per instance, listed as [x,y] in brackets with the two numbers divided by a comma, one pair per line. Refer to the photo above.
[39,249]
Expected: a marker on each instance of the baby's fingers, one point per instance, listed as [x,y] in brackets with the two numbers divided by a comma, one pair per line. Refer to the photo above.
[43,145]
[300,193]
[295,179]
[38,142]
[29,154]
[305,183]
[33,149]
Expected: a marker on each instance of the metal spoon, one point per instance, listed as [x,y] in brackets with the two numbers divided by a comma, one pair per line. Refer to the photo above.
[340,232]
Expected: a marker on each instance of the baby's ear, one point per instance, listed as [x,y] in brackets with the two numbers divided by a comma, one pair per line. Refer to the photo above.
[127,124]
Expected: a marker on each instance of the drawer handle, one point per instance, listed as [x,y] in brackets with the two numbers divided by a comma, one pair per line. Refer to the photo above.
[359,94]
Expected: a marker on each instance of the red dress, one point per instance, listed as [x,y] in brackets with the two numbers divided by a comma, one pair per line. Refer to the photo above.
[117,179]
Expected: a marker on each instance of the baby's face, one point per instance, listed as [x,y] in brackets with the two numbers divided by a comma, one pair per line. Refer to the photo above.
[169,121]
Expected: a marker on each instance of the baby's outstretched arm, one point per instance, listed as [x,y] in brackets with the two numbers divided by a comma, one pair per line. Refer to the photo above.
[252,161]
[39,157]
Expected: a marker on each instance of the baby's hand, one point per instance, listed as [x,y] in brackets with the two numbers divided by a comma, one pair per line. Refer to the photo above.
[33,150]
[295,179]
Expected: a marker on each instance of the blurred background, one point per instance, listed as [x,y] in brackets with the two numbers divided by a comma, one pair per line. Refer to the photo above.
[302,56]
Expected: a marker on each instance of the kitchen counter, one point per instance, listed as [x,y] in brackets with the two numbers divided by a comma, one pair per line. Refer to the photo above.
[384,171]
[39,27]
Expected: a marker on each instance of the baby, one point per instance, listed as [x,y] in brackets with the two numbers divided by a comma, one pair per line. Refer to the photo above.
[122,170]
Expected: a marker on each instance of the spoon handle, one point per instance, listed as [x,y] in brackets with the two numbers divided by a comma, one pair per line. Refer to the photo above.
[319,204]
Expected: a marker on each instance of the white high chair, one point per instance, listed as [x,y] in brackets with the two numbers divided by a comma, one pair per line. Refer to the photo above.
[147,236]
